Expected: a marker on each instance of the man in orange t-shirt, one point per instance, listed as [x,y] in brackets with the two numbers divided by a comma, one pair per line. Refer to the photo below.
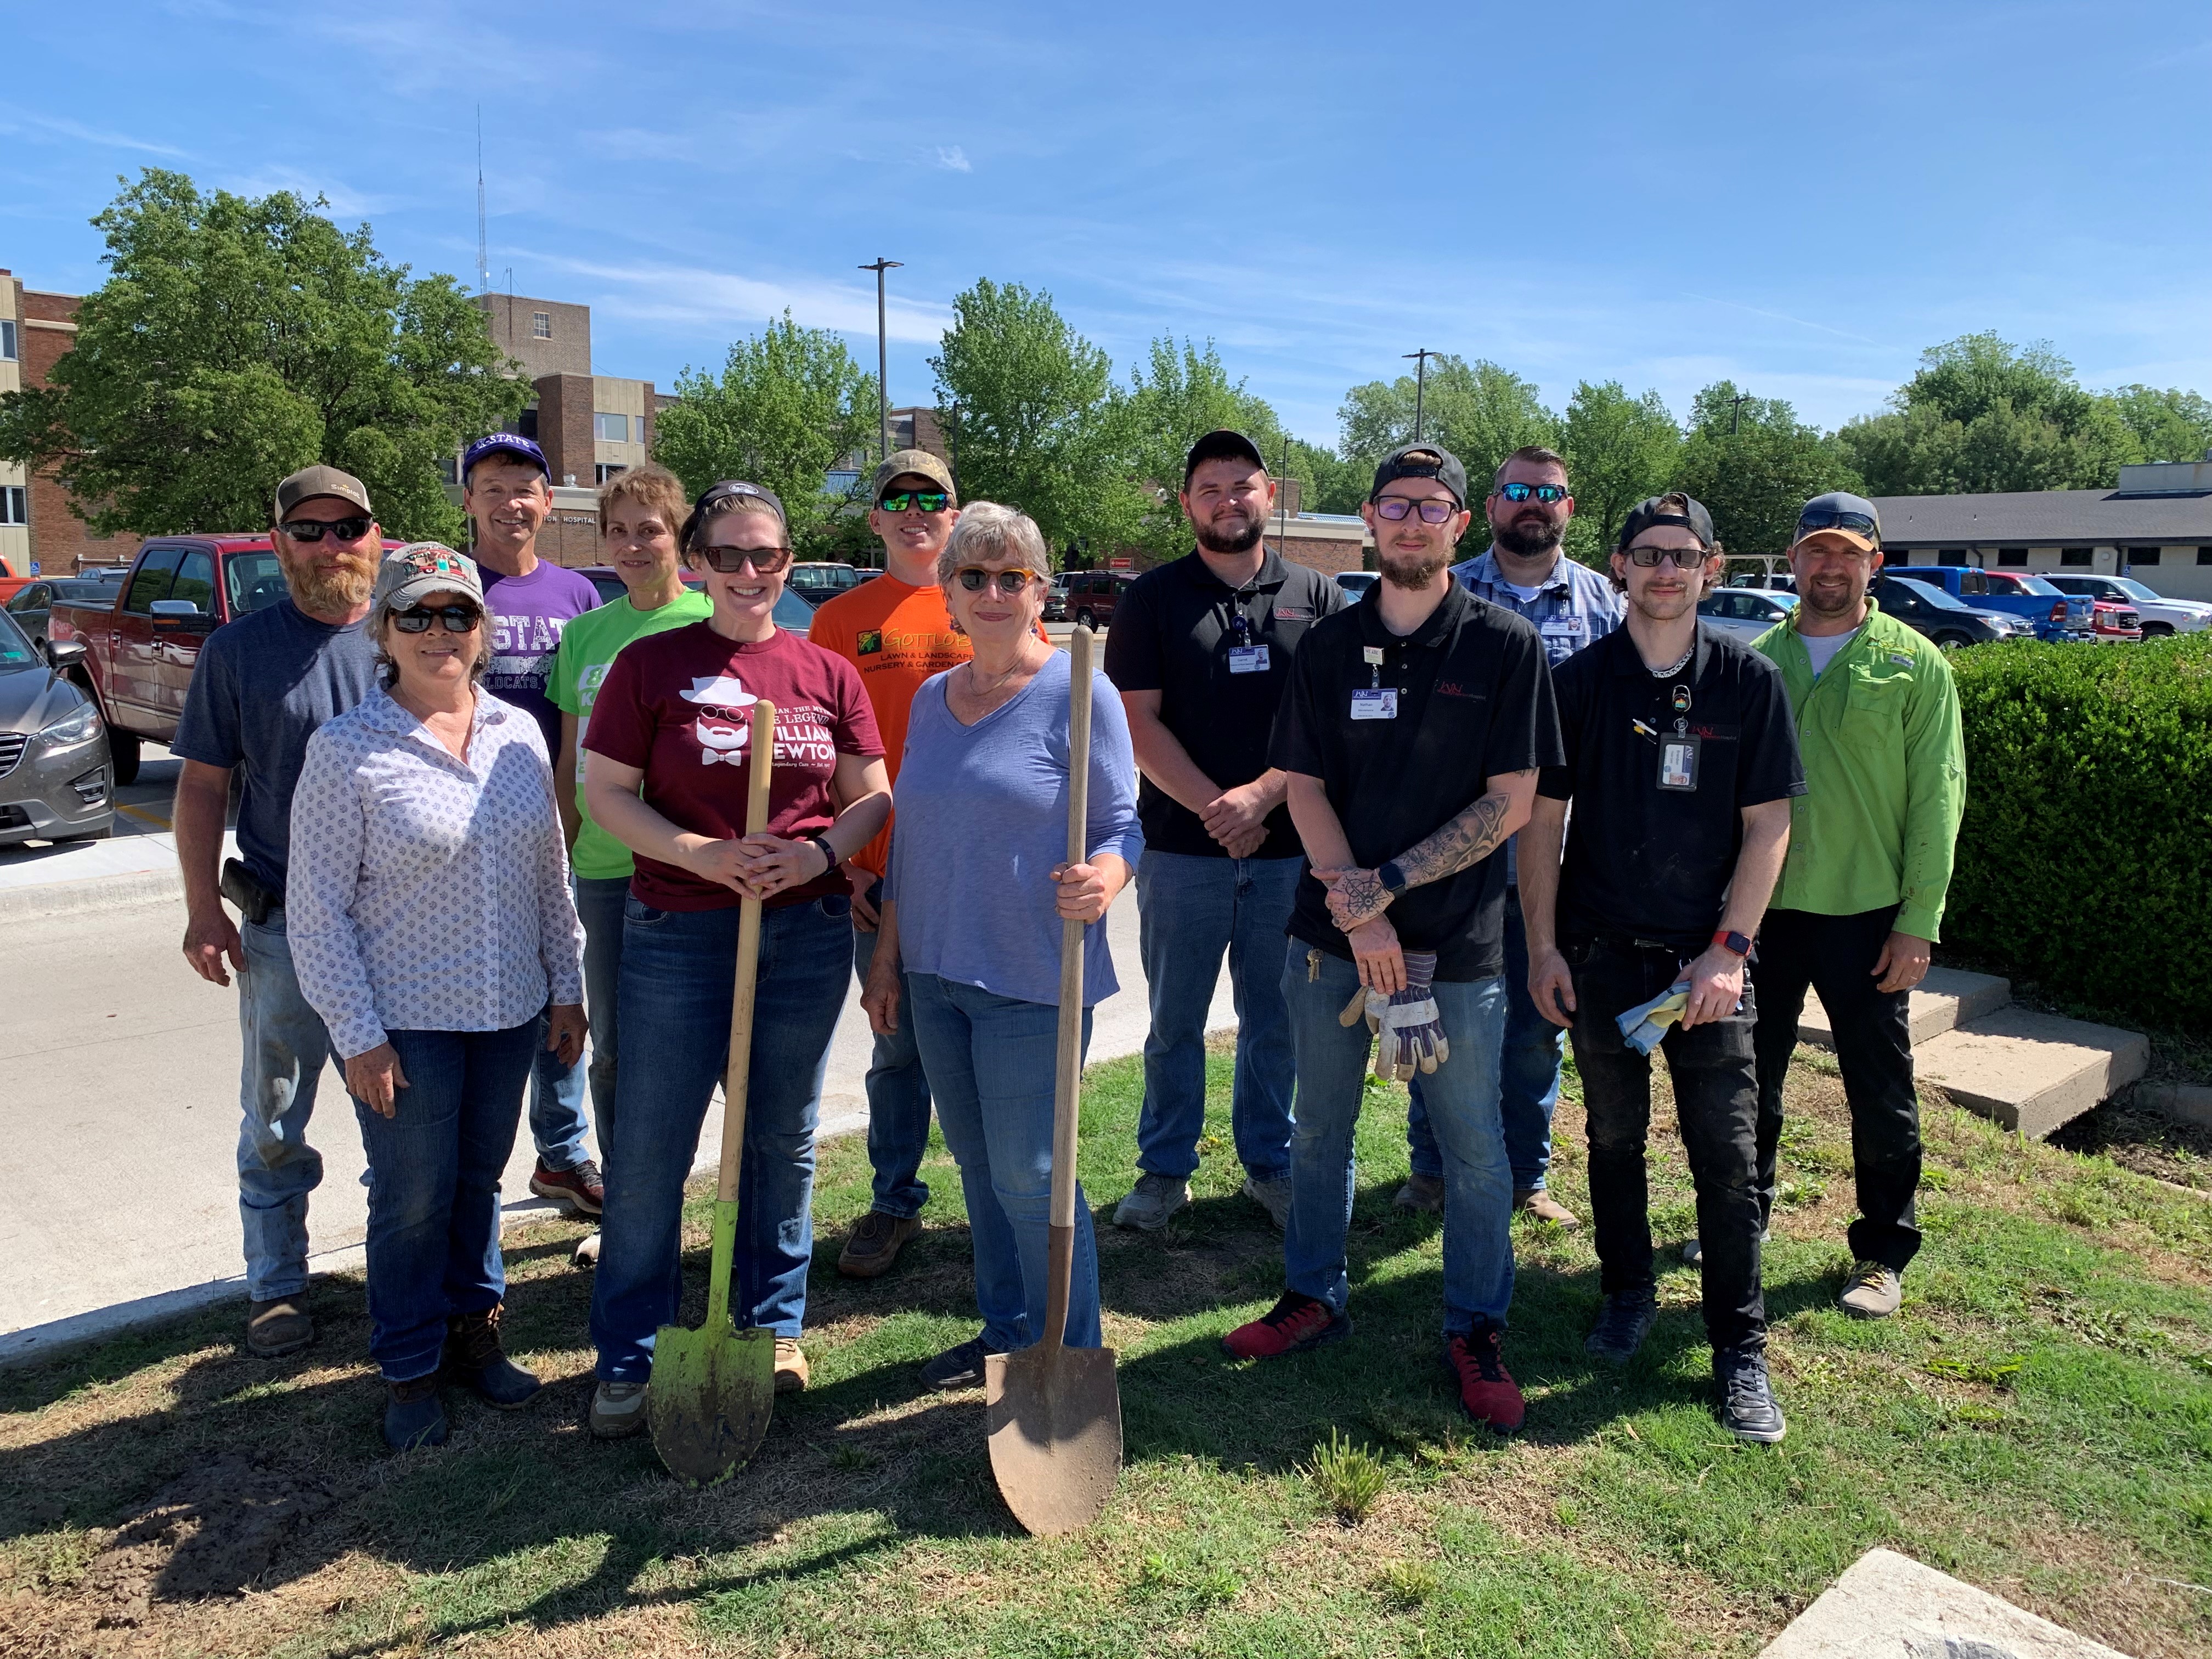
[897,631]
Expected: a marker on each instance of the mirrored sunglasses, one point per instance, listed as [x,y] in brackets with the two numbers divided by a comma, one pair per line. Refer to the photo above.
[456,619]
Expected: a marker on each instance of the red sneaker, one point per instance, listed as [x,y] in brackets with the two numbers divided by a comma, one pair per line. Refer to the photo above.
[1294,1324]
[580,1187]
[1488,1392]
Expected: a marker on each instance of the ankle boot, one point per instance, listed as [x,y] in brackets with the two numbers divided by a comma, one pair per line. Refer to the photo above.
[474,1358]
[412,1414]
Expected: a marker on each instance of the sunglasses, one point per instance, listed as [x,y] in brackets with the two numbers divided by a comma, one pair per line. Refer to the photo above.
[1545,493]
[458,618]
[765,561]
[927,500]
[313,530]
[1394,507]
[1008,582]
[1829,518]
[1683,558]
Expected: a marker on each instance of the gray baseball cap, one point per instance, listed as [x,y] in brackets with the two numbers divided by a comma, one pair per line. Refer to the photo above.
[1849,518]
[409,574]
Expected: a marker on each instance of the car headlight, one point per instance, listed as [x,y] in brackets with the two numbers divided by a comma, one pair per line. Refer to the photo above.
[79,725]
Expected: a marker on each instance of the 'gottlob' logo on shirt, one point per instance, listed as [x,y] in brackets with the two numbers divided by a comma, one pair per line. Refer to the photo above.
[871,642]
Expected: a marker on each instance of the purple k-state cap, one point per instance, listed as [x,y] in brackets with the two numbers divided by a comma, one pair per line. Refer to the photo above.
[503,443]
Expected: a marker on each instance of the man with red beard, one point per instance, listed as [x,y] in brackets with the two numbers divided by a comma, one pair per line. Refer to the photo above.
[1201,651]
[263,684]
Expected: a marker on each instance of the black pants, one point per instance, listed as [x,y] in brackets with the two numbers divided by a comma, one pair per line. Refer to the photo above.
[1715,1103]
[1835,955]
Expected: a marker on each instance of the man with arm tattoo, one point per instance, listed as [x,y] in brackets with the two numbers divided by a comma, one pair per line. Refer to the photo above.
[1411,734]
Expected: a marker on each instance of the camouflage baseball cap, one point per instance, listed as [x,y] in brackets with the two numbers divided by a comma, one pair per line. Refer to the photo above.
[920,462]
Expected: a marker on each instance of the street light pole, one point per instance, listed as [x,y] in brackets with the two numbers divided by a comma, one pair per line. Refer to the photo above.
[1420,384]
[882,358]
[1735,414]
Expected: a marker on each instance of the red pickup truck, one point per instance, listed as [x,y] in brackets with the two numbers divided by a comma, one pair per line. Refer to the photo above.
[139,651]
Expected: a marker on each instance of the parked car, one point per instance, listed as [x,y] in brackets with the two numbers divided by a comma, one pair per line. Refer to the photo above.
[2159,615]
[815,580]
[10,583]
[1746,612]
[2058,618]
[1935,615]
[1771,581]
[56,783]
[1092,594]
[34,601]
[1357,582]
[2114,624]
[140,646]
[1056,600]
[792,613]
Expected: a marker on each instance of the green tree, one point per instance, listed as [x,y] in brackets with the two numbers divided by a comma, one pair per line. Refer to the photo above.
[788,405]
[236,340]
[1029,406]
[2168,426]
[1754,466]
[1620,449]
[1479,411]
[1179,393]
[1330,483]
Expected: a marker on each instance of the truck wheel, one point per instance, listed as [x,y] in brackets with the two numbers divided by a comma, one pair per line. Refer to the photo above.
[2158,630]
[123,754]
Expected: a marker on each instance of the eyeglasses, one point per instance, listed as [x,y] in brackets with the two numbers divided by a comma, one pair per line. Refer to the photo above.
[1394,507]
[313,530]
[1008,582]
[1683,558]
[928,500]
[765,561]
[458,618]
[1545,493]
[1831,518]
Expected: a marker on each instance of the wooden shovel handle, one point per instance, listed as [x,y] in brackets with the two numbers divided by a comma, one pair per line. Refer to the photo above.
[761,764]
[1067,1083]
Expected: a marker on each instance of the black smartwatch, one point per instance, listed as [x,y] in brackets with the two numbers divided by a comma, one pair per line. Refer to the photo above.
[1392,877]
[828,851]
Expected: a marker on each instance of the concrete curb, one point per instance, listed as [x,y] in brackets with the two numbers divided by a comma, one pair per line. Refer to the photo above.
[2183,1102]
[90,895]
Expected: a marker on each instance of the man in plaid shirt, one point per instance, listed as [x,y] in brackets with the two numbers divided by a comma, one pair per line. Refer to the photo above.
[1526,571]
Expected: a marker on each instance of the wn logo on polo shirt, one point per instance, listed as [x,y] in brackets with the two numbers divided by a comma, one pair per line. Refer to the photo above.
[868,643]
[1454,689]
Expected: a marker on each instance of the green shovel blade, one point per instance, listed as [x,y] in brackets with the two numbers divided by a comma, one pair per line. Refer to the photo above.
[712,1388]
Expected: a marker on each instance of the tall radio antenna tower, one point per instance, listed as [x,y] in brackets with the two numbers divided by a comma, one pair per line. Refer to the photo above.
[483,248]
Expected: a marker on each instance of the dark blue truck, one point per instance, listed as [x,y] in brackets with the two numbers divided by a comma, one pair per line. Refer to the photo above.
[2058,618]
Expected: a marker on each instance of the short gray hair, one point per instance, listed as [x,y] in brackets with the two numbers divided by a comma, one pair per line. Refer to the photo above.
[986,531]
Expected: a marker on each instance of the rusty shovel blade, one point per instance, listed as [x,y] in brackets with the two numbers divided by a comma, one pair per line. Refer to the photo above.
[1056,1433]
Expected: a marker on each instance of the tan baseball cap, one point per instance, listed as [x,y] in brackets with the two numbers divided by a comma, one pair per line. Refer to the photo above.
[919,462]
[310,482]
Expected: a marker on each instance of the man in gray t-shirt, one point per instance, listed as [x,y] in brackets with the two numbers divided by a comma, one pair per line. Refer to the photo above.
[262,685]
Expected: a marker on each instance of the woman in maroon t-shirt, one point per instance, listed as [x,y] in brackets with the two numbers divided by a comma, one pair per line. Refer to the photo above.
[667,772]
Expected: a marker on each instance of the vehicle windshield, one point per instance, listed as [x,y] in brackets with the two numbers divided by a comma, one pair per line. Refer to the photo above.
[1938,597]
[15,650]
[2135,589]
[256,580]
[2037,586]
[77,590]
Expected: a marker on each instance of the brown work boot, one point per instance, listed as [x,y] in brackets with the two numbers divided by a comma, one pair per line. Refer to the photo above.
[1424,1192]
[276,1328]
[474,1358]
[791,1372]
[1541,1204]
[876,1241]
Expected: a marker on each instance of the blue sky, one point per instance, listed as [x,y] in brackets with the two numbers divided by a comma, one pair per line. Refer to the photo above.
[1798,196]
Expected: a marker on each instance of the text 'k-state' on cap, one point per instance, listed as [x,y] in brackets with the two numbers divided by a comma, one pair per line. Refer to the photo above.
[1422,460]
[310,482]
[503,443]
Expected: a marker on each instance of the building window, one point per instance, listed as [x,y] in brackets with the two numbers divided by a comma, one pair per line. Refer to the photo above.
[2013,555]
[606,469]
[2074,555]
[541,326]
[449,469]
[2143,555]
[15,504]
[2205,556]
[610,428]
[7,343]
[1951,555]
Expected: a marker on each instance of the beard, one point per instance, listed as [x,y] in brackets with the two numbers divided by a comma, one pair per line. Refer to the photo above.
[1411,573]
[1530,538]
[1229,533]
[347,583]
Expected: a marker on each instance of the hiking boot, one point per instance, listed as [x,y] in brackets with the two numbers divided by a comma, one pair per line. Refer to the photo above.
[791,1372]
[876,1241]
[587,1254]
[1541,1204]
[1488,1392]
[1872,1291]
[1424,1192]
[617,1410]
[957,1368]
[474,1360]
[1622,1324]
[1693,1251]
[1294,1324]
[1152,1202]
[1747,1399]
[412,1414]
[1272,1196]
[579,1187]
[276,1328]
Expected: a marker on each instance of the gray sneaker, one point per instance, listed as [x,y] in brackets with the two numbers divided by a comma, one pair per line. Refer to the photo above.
[1153,1202]
[617,1409]
[1272,1196]
[1872,1291]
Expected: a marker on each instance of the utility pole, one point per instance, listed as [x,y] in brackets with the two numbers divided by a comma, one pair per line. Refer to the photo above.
[1283,501]
[1735,414]
[1420,384]
[483,248]
[883,356]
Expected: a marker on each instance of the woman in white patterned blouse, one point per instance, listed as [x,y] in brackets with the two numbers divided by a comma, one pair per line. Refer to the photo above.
[431,921]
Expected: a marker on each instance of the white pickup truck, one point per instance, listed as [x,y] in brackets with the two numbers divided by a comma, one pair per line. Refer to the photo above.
[2160,615]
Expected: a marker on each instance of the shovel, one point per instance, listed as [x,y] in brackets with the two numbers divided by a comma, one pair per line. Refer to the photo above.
[712,1388]
[1055,1412]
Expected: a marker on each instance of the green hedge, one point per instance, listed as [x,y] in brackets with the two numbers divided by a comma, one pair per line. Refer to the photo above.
[2085,862]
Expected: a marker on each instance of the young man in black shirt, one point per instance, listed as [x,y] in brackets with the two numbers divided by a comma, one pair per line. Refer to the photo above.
[1412,733]
[1201,650]
[1681,758]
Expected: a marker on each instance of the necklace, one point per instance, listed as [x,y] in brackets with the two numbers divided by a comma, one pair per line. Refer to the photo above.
[981,691]
[1674,667]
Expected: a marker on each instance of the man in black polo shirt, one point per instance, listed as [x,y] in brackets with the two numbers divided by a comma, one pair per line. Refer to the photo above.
[1681,757]
[1201,650]
[1412,731]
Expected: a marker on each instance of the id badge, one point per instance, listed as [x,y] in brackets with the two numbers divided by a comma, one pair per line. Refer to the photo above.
[1248,659]
[1678,762]
[1377,705]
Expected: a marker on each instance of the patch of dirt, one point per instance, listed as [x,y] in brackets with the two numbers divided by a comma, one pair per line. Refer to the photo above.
[2149,1143]
[213,1532]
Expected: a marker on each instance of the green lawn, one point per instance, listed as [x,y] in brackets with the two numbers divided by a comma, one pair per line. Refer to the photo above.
[2038,1421]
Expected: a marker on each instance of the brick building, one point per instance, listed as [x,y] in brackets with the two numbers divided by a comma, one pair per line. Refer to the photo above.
[36,526]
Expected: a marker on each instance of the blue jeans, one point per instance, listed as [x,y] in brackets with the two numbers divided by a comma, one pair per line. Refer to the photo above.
[992,1061]
[1527,1074]
[677,971]
[556,1105]
[433,1180]
[1462,1095]
[898,1101]
[285,1046]
[599,903]
[1192,910]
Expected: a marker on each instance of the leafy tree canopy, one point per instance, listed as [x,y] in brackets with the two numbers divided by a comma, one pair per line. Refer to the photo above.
[1620,449]
[1753,478]
[1479,411]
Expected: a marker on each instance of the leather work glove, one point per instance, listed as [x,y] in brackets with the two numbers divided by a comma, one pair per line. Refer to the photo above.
[1409,1031]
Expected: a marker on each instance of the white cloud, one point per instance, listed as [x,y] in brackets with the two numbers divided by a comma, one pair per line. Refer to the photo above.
[685,294]
[954,159]
[58,127]
[346,204]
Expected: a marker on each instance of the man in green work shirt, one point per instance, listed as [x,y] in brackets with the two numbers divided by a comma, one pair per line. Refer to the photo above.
[640,512]
[1861,898]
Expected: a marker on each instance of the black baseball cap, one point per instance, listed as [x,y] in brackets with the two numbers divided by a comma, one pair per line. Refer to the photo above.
[1675,510]
[728,490]
[1422,460]
[1853,519]
[1222,444]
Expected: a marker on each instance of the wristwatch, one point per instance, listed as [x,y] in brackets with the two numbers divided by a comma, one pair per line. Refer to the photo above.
[1392,877]
[830,853]
[1733,942]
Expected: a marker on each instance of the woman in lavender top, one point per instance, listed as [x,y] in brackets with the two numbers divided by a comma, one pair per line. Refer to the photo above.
[430,920]
[969,948]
